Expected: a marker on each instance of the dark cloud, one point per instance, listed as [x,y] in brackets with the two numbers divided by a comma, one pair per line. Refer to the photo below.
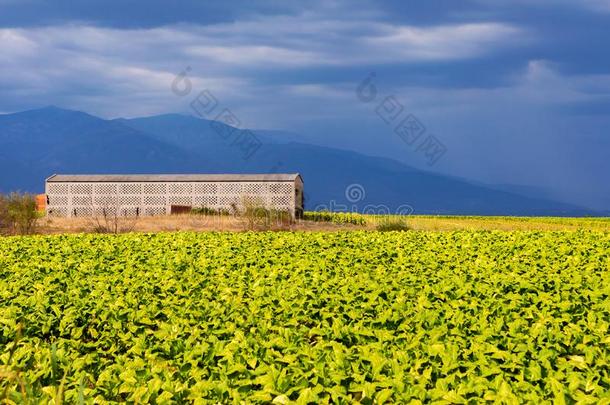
[126,13]
[507,85]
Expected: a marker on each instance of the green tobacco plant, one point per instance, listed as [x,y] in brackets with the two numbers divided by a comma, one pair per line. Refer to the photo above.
[339,218]
[270,317]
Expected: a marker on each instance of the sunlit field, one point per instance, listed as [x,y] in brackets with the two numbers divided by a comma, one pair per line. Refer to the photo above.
[307,317]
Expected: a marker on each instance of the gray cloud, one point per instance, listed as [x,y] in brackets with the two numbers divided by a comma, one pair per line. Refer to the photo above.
[296,68]
[132,68]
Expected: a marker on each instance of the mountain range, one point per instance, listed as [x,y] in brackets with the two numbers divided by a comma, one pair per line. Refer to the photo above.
[37,143]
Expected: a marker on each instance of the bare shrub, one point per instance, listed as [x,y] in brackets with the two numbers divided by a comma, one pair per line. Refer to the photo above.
[5,223]
[18,214]
[112,219]
[280,220]
[256,217]
[210,211]
[392,224]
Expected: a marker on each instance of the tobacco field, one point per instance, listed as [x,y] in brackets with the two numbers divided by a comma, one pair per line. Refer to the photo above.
[270,317]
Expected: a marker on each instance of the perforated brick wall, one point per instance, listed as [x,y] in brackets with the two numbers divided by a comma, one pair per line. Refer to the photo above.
[155,198]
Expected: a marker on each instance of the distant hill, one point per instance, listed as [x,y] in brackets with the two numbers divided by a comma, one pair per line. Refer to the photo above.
[34,144]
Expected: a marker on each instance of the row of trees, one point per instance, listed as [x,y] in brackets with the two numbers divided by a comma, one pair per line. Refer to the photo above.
[18,214]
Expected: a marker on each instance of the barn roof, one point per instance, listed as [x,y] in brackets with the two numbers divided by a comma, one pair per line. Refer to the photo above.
[128,178]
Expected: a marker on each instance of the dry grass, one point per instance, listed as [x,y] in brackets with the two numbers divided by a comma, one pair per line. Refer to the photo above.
[186,222]
[203,223]
[429,223]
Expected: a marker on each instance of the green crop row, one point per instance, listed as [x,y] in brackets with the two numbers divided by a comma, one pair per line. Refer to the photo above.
[447,222]
[340,218]
[368,317]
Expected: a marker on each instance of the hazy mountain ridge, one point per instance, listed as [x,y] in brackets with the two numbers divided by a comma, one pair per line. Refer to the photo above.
[37,143]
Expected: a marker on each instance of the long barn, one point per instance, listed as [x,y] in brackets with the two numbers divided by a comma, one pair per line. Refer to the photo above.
[159,194]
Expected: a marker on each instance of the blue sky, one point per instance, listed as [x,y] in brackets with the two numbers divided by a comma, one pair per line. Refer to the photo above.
[518,91]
